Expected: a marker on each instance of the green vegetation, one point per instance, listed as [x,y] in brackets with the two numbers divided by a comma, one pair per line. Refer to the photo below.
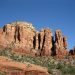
[65,66]
[2,73]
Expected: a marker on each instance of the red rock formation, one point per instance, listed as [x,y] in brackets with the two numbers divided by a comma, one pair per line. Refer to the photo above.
[18,34]
[60,44]
[22,37]
[9,32]
[47,43]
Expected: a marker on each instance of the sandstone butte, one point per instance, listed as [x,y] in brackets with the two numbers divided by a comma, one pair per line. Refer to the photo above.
[22,38]
[16,68]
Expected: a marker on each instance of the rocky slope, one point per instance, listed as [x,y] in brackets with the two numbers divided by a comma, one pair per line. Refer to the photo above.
[16,68]
[23,38]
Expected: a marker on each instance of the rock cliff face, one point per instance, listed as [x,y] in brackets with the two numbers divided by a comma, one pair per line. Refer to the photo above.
[22,37]
[47,43]
[60,43]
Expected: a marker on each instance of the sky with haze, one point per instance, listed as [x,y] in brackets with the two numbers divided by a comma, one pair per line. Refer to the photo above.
[54,14]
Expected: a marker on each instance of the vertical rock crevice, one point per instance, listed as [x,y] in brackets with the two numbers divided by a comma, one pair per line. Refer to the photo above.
[34,42]
[17,34]
[4,28]
[39,40]
[53,51]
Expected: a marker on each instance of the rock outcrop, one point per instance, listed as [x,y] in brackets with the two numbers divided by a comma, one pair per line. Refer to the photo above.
[60,44]
[16,68]
[23,38]
[18,36]
[47,43]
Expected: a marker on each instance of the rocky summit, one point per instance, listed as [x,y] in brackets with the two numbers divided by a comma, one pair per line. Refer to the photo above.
[22,37]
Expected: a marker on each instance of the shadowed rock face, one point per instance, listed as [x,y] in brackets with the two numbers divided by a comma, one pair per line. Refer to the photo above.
[22,37]
[72,52]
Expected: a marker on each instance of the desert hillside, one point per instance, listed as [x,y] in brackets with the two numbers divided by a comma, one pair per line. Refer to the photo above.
[26,51]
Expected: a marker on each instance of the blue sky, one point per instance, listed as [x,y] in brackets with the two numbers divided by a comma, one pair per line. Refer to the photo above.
[55,14]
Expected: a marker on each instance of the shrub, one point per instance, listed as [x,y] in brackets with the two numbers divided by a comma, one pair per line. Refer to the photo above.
[2,73]
[49,62]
